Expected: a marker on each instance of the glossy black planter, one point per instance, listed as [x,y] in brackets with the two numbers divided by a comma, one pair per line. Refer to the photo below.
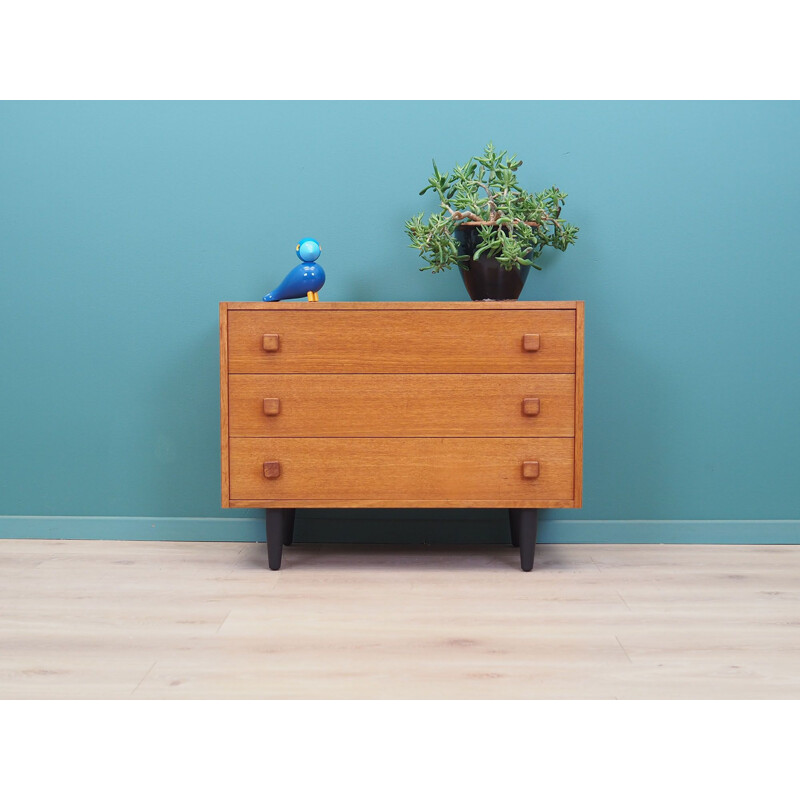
[484,278]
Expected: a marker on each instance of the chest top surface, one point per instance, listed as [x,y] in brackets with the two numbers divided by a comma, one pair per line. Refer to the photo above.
[461,305]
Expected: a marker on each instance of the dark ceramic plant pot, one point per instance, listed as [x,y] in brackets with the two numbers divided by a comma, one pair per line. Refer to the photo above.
[485,278]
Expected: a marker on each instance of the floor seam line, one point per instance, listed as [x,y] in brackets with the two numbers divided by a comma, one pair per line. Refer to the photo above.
[152,666]
[223,622]
[623,649]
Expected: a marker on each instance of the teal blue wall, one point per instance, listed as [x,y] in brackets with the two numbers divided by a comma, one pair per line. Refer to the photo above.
[123,224]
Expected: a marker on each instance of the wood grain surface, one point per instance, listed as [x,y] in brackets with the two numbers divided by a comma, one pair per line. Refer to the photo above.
[579,378]
[401,405]
[410,341]
[459,305]
[361,383]
[193,620]
[408,471]
[223,404]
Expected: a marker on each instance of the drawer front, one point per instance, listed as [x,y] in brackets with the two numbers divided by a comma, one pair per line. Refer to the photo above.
[400,471]
[410,341]
[402,405]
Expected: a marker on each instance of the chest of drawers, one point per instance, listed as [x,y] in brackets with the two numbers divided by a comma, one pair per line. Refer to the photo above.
[355,405]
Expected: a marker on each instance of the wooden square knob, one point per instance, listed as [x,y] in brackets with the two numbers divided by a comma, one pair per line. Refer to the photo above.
[272,406]
[530,406]
[530,469]
[530,341]
[271,342]
[272,469]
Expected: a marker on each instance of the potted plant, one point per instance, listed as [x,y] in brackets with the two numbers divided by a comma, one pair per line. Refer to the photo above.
[489,226]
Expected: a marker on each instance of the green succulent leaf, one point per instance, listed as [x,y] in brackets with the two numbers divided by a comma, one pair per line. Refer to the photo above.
[487,187]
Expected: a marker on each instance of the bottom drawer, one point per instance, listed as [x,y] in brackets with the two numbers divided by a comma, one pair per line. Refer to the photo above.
[403,472]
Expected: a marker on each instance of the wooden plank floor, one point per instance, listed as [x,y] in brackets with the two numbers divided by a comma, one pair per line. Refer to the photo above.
[82,619]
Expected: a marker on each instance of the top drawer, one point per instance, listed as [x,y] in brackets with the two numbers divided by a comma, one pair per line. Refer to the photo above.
[401,341]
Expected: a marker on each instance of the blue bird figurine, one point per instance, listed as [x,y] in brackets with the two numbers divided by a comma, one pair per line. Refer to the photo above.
[305,279]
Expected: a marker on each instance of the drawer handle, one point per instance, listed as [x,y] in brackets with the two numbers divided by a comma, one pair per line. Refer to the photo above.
[530,469]
[530,406]
[271,342]
[530,341]
[272,406]
[272,469]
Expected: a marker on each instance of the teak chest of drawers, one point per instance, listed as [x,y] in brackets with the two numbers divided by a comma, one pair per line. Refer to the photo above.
[355,405]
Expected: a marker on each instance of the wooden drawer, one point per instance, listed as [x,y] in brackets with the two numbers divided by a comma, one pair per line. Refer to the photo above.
[401,405]
[403,341]
[402,472]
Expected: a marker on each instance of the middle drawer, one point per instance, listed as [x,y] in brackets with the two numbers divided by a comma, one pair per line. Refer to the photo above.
[402,405]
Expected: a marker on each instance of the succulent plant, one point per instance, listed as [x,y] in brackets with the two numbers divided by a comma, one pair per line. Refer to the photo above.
[514,225]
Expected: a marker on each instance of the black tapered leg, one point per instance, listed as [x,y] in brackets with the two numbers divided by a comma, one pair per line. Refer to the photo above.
[523,534]
[288,526]
[513,518]
[276,533]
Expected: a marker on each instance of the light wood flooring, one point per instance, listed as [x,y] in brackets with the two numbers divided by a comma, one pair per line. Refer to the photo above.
[81,619]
